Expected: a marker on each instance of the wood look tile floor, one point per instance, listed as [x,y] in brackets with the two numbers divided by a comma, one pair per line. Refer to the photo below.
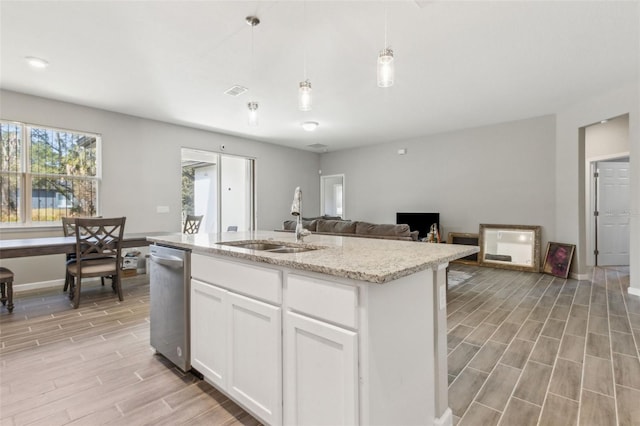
[524,349]
[94,365]
[532,349]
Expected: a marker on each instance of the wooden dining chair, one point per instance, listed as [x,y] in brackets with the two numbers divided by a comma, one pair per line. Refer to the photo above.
[192,224]
[69,230]
[98,253]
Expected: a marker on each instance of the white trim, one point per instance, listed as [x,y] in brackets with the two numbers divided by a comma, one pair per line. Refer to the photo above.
[581,277]
[608,157]
[634,291]
[445,419]
[18,288]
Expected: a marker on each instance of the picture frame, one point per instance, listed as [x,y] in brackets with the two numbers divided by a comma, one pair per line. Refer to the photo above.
[557,259]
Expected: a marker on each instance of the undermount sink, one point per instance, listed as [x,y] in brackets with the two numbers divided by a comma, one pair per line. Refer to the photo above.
[269,247]
[256,246]
[291,249]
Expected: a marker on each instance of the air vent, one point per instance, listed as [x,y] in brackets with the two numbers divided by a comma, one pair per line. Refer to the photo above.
[235,90]
[317,146]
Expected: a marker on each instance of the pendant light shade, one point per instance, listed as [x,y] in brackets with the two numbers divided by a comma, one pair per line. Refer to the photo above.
[253,113]
[385,68]
[304,96]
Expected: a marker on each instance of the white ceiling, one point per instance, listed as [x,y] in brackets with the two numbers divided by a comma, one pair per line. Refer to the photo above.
[458,64]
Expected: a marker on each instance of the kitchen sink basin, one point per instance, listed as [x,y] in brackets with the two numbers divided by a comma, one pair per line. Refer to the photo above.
[291,249]
[256,246]
[269,247]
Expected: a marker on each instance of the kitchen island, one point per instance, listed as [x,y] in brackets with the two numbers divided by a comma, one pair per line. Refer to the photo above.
[352,331]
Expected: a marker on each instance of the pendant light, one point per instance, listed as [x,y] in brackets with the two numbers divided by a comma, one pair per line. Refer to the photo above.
[385,61]
[252,105]
[304,91]
[304,96]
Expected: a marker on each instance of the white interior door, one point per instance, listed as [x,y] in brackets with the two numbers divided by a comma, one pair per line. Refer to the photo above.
[613,213]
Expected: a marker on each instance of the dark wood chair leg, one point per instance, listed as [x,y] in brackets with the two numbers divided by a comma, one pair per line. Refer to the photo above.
[10,296]
[76,295]
[3,298]
[118,283]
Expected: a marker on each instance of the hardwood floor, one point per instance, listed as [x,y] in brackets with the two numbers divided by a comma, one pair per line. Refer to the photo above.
[524,348]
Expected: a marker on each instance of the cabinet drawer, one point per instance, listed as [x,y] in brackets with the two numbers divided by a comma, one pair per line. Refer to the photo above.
[254,281]
[323,299]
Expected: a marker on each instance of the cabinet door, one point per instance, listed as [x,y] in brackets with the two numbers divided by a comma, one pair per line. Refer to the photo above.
[255,360]
[321,373]
[209,331]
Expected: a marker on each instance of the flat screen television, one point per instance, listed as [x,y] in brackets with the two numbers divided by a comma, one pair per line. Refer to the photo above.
[420,222]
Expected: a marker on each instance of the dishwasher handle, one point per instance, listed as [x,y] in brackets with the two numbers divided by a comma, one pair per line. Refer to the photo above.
[169,261]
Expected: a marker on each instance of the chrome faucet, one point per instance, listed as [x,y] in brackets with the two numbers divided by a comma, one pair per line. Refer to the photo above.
[296,210]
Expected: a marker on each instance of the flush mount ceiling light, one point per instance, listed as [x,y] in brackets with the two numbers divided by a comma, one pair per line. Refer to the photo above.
[36,62]
[310,126]
[385,61]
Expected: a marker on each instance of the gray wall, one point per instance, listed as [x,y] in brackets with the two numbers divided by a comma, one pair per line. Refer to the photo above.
[496,174]
[141,170]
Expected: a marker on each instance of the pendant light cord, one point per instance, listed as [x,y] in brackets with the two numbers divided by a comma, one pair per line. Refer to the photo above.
[385,27]
[304,48]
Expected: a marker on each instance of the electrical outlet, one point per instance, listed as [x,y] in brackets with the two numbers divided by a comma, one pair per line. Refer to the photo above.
[162,209]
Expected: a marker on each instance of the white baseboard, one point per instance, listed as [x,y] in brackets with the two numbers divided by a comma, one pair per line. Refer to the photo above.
[634,291]
[446,419]
[38,285]
[17,288]
[581,277]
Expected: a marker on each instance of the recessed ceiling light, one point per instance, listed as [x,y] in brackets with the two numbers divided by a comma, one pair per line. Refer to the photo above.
[603,121]
[310,126]
[36,62]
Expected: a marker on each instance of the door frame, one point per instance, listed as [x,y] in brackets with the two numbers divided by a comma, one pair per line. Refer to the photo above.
[591,200]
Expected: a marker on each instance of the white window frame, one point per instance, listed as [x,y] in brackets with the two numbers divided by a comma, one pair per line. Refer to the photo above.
[26,175]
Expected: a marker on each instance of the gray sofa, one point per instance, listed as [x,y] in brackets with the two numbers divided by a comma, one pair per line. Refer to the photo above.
[354,228]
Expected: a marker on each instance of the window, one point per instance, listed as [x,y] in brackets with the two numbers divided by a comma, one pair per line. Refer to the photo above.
[46,174]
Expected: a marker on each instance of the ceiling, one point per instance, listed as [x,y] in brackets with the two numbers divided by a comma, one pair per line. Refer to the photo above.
[458,64]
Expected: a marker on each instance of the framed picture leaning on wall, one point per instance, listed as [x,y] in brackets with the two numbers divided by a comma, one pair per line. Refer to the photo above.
[557,259]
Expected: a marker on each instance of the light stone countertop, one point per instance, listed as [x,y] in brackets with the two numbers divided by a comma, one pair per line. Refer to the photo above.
[363,259]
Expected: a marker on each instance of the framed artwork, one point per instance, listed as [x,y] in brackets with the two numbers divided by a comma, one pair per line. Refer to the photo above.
[557,259]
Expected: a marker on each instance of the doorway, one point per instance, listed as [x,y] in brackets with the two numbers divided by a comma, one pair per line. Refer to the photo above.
[332,195]
[220,188]
[607,192]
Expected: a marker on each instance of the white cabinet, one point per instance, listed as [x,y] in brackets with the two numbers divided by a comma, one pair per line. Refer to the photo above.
[321,352]
[321,373]
[209,331]
[254,353]
[236,340]
[304,349]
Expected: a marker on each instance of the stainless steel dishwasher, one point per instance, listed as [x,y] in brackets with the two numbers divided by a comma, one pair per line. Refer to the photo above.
[170,275]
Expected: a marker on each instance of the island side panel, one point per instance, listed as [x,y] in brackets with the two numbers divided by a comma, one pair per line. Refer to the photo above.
[443,414]
[398,381]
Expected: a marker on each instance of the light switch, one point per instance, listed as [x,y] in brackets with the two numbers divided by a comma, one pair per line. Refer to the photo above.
[162,209]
